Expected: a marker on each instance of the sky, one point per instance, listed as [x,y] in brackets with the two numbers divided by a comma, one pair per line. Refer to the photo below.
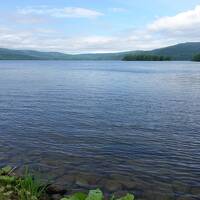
[93,26]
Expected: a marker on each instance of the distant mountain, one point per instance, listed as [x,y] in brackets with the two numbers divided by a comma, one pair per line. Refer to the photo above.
[184,51]
[8,54]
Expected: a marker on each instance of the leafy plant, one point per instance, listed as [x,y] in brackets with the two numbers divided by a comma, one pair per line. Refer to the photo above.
[77,196]
[95,195]
[5,170]
[7,179]
[127,197]
[6,192]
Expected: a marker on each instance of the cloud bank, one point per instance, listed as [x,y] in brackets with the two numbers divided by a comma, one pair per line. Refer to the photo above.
[185,20]
[162,32]
[67,12]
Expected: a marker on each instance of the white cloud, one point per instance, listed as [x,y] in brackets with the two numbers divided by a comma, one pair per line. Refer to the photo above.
[181,21]
[118,10]
[20,19]
[67,12]
[49,41]
[162,32]
[182,27]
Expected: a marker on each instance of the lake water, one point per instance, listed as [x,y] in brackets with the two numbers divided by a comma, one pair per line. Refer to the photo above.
[90,123]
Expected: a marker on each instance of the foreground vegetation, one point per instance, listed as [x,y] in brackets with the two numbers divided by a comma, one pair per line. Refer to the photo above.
[29,187]
[196,58]
[142,57]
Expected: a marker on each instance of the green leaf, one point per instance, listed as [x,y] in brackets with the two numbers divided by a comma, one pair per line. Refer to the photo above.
[112,197]
[77,196]
[5,170]
[127,197]
[95,195]
[7,179]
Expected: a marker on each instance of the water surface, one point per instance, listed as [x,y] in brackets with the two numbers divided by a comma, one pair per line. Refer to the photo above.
[133,122]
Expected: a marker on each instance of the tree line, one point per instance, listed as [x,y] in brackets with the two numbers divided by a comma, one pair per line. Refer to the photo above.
[143,57]
[196,58]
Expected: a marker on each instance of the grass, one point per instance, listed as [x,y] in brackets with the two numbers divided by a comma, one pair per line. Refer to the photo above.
[29,187]
[19,188]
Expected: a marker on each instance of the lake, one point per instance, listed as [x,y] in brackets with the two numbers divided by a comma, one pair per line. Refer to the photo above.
[121,126]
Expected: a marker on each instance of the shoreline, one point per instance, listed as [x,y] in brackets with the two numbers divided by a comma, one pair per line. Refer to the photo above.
[30,187]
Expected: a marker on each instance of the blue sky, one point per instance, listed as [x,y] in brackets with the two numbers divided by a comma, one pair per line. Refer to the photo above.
[80,26]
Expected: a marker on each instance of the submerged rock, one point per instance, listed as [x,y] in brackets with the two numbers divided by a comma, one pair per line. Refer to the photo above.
[82,182]
[56,197]
[128,184]
[66,180]
[179,187]
[87,181]
[112,186]
[186,197]
[154,195]
[56,189]
[120,193]
[196,191]
[124,181]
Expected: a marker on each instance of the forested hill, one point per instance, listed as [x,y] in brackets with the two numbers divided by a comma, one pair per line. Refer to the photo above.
[8,54]
[184,51]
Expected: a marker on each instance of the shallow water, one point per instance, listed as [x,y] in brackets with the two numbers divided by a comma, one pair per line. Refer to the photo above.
[91,122]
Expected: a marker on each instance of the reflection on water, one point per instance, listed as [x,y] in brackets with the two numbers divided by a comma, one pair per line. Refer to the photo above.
[131,126]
